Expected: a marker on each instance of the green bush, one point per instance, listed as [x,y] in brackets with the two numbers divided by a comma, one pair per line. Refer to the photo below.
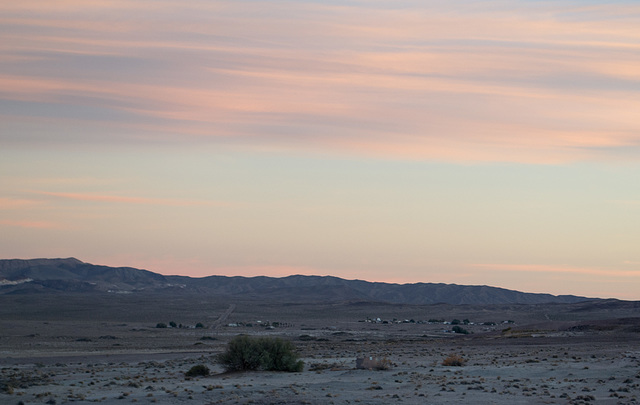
[458,329]
[161,325]
[199,370]
[262,353]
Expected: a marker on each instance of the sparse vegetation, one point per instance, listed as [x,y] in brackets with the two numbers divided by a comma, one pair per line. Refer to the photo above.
[161,325]
[454,360]
[318,367]
[263,353]
[459,329]
[198,370]
[6,388]
[383,364]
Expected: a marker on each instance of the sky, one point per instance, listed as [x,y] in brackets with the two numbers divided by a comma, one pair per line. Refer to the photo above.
[469,142]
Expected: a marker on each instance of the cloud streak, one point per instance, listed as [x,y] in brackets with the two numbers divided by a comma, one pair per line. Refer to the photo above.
[17,203]
[528,82]
[92,197]
[29,224]
[534,268]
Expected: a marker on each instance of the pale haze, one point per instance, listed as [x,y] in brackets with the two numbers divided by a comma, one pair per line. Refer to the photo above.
[469,142]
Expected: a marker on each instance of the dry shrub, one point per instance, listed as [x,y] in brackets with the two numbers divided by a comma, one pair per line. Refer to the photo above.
[383,364]
[453,361]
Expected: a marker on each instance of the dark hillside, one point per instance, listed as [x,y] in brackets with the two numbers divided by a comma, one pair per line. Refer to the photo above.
[72,275]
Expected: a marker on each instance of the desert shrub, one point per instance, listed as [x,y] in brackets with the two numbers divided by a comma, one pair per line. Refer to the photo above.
[161,325]
[7,388]
[243,353]
[453,361]
[199,325]
[280,355]
[320,366]
[173,324]
[383,364]
[198,370]
[263,353]
[458,329]
[108,337]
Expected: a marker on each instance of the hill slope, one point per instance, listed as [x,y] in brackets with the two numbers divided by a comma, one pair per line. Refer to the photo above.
[72,275]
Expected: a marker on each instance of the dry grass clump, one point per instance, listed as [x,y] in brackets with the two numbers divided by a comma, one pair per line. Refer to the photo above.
[453,360]
[318,367]
[383,364]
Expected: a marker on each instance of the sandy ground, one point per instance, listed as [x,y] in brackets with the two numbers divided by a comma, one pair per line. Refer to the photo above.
[542,369]
[109,350]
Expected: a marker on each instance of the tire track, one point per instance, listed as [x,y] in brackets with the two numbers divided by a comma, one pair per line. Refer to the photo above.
[222,318]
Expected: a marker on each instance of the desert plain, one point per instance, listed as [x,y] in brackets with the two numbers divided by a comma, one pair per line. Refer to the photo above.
[107,348]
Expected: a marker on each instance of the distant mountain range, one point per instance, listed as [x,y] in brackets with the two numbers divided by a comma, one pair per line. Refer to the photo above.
[74,276]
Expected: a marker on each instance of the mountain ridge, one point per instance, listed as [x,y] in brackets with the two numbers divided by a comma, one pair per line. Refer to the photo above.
[27,276]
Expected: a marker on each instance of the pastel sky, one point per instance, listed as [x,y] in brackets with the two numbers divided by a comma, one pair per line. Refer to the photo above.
[469,142]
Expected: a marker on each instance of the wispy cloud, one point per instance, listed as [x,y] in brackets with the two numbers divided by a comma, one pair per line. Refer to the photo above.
[91,197]
[534,268]
[525,81]
[17,203]
[29,224]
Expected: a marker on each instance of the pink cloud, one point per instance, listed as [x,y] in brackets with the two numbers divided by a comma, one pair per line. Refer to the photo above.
[17,203]
[29,224]
[128,200]
[398,83]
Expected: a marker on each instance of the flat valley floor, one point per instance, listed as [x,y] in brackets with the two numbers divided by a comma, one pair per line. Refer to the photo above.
[57,349]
